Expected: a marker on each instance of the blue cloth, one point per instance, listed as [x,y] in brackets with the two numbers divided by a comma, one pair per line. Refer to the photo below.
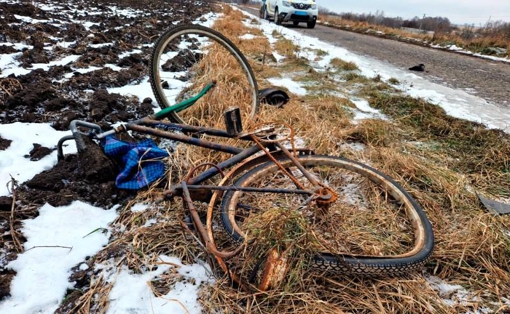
[141,162]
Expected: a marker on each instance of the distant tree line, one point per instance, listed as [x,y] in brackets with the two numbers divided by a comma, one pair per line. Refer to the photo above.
[435,24]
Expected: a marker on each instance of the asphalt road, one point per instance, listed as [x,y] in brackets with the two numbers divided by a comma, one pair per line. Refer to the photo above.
[484,78]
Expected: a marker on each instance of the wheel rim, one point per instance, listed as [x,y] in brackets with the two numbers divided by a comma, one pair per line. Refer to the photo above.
[189,58]
[415,220]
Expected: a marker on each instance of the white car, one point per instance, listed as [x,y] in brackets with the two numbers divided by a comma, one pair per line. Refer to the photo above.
[294,11]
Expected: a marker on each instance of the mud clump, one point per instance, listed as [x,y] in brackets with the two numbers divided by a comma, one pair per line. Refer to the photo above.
[5,283]
[182,62]
[88,176]
[31,96]
[38,152]
[4,144]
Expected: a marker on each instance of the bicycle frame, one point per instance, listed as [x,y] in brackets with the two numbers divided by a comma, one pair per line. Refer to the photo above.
[267,151]
[267,148]
[152,125]
[177,132]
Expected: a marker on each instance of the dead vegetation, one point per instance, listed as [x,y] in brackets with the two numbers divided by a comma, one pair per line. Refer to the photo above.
[491,39]
[8,86]
[440,160]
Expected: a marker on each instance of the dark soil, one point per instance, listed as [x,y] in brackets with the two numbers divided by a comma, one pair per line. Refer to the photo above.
[6,276]
[181,62]
[4,144]
[38,152]
[62,94]
[88,176]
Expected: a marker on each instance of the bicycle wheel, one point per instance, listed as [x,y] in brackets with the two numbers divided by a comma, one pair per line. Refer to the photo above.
[373,227]
[185,59]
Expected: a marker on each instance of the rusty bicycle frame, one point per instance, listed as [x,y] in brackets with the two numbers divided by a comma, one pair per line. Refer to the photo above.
[243,159]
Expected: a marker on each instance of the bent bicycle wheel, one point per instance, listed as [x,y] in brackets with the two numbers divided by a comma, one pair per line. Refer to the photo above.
[187,58]
[372,225]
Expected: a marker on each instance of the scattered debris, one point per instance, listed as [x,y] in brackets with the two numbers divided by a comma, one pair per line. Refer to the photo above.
[494,206]
[273,96]
[419,68]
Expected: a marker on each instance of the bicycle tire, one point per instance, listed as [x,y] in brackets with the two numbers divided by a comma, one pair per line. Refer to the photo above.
[187,57]
[337,261]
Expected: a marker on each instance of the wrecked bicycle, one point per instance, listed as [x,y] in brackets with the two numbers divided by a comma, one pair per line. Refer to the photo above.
[270,175]
[197,74]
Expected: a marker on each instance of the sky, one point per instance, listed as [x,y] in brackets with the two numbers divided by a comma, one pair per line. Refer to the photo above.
[62,237]
[461,12]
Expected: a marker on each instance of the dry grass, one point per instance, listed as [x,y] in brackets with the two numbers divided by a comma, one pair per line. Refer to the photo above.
[440,160]
[472,148]
[8,86]
[286,48]
[490,36]
[230,89]
[343,65]
[365,27]
[374,132]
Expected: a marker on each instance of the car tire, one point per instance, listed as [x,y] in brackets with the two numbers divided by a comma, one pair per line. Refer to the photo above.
[277,19]
[311,24]
[296,23]
[266,15]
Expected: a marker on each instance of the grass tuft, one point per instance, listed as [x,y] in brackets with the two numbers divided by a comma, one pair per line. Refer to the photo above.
[343,65]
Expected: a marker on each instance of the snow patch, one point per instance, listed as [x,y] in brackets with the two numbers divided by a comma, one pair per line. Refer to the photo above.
[57,240]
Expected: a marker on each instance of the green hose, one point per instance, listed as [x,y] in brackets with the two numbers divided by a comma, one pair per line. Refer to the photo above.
[183,104]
